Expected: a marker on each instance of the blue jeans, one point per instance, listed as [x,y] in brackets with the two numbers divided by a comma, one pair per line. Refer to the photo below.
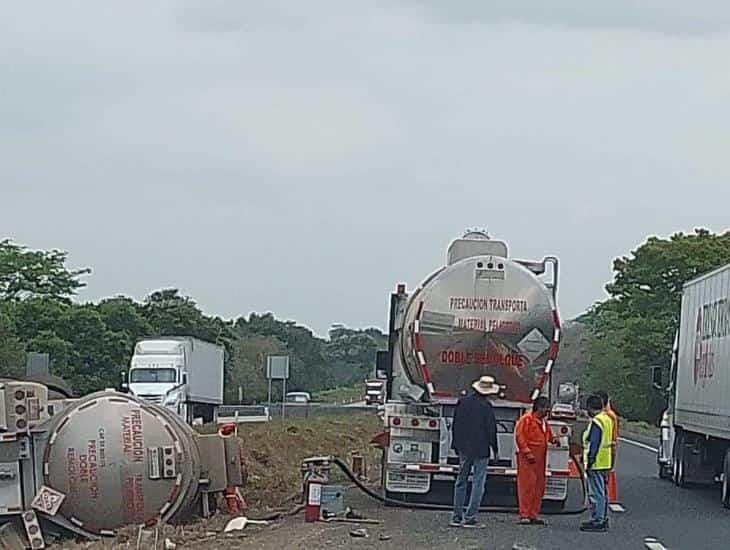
[597,497]
[477,486]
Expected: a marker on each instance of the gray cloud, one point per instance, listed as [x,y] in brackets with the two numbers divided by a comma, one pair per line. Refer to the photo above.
[674,17]
[305,158]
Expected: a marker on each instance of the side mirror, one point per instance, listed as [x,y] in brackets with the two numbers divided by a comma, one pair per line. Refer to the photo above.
[657,378]
[123,385]
[184,378]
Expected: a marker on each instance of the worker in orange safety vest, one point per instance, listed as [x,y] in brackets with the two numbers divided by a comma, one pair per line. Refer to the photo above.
[612,486]
[532,436]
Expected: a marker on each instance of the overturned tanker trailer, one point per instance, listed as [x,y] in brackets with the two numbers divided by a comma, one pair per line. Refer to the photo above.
[483,313]
[106,461]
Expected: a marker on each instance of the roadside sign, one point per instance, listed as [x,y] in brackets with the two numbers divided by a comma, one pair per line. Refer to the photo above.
[277,367]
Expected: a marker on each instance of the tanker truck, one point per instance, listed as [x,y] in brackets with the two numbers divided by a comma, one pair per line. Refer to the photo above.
[105,461]
[483,313]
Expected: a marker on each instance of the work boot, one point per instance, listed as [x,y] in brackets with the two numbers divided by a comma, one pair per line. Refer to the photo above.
[593,527]
[525,521]
[538,521]
[473,524]
[456,522]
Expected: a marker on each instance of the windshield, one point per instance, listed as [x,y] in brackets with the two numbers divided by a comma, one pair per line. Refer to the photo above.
[152,375]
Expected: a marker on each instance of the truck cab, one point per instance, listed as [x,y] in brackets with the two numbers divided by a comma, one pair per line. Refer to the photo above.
[156,374]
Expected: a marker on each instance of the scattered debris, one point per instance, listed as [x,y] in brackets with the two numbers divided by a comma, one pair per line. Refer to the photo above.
[352,514]
[384,537]
[239,524]
[359,534]
[169,545]
[146,538]
[519,546]
[355,521]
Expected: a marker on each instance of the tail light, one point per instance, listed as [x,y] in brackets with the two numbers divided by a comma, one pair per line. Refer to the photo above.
[564,430]
[432,423]
[415,422]
[395,421]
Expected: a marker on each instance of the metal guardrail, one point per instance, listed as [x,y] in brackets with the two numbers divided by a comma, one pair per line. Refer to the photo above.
[243,413]
[258,413]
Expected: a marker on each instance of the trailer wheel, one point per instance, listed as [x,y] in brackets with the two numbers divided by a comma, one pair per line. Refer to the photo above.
[665,472]
[679,462]
[726,480]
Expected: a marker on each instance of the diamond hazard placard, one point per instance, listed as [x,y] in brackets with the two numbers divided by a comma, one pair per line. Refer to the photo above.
[48,500]
[533,345]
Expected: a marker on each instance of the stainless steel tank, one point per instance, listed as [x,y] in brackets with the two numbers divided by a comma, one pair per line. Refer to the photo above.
[482,314]
[119,461]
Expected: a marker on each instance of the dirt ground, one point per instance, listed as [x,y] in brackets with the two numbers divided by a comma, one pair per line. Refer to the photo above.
[273,453]
[399,529]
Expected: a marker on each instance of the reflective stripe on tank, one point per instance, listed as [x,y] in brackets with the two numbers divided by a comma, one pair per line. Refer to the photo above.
[419,352]
[552,355]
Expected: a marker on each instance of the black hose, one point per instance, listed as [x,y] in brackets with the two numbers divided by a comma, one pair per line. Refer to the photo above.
[422,506]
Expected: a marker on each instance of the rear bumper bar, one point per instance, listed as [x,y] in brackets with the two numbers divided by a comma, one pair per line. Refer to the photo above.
[449,469]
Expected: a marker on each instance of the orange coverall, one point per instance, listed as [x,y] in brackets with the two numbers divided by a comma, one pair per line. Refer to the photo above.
[611,481]
[532,436]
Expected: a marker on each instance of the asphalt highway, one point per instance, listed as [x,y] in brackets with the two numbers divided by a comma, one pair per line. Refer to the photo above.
[657,516]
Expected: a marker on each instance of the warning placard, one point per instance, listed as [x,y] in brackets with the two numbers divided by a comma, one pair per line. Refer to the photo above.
[48,500]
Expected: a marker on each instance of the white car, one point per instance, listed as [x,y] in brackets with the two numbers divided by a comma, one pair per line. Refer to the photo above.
[298,397]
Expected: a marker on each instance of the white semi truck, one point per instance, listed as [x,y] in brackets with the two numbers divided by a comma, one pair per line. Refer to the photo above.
[182,374]
[694,446]
[483,313]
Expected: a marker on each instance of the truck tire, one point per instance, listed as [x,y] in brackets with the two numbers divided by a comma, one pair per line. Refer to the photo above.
[726,480]
[665,471]
[680,461]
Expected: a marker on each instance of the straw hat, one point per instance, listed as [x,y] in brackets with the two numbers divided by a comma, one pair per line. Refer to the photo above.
[486,386]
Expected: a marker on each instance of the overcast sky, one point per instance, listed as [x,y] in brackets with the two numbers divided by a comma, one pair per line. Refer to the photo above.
[304,157]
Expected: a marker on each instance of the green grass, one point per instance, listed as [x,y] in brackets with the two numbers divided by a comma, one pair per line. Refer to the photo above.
[639,428]
[339,395]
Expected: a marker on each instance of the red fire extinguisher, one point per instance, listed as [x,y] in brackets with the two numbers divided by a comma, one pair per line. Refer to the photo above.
[313,498]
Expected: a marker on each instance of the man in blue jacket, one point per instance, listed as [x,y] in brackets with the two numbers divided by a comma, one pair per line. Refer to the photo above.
[598,462]
[474,435]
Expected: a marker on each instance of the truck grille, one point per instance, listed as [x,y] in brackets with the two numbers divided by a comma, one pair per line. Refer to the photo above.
[151,398]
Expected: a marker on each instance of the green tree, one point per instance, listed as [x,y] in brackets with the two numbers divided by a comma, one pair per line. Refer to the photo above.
[247,370]
[633,329]
[12,352]
[26,273]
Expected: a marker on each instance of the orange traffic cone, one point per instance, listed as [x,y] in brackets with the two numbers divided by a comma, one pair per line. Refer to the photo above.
[612,488]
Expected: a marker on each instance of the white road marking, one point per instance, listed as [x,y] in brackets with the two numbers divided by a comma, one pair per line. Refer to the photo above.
[616,508]
[652,544]
[640,445]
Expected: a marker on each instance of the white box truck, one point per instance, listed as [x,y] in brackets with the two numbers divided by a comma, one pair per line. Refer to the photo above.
[181,373]
[695,432]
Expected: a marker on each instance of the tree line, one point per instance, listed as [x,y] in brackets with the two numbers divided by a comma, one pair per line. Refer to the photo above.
[633,329]
[90,344]
[612,346]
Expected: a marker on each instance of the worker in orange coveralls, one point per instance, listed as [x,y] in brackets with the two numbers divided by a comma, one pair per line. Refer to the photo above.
[612,486]
[532,435]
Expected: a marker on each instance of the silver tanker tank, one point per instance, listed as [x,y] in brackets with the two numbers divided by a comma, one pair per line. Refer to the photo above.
[110,460]
[481,314]
[120,462]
